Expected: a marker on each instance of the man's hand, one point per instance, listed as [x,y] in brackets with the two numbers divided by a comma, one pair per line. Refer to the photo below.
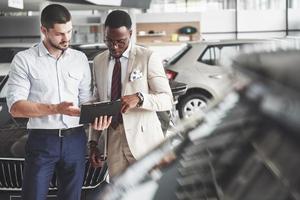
[28,109]
[96,159]
[101,123]
[67,108]
[128,102]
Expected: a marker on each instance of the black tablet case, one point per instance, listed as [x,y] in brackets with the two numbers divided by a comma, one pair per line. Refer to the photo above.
[92,110]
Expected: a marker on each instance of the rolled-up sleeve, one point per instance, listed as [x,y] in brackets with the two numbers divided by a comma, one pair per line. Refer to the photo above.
[85,87]
[18,82]
[160,96]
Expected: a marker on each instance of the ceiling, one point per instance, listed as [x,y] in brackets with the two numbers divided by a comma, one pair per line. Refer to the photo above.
[34,5]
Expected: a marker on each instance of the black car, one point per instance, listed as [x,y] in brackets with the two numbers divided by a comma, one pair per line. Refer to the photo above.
[13,135]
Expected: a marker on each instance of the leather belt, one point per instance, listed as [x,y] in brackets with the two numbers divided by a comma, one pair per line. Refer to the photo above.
[59,132]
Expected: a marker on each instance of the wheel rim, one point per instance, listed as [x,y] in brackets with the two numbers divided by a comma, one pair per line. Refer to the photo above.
[193,106]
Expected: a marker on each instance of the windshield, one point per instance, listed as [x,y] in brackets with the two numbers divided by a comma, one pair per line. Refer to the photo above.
[179,54]
[8,53]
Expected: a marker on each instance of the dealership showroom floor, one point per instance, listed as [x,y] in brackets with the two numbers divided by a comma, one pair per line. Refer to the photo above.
[233,68]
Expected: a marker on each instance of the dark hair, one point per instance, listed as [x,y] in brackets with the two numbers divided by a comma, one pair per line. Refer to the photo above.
[117,19]
[54,14]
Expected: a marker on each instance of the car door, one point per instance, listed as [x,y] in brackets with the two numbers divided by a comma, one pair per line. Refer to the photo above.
[213,65]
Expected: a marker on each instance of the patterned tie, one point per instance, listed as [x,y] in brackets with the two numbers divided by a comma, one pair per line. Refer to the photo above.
[116,88]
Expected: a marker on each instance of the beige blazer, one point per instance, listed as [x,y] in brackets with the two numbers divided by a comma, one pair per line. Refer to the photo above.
[142,127]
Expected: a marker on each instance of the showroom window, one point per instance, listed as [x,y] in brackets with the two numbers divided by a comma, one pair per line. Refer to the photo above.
[189,5]
[202,5]
[261,4]
[294,4]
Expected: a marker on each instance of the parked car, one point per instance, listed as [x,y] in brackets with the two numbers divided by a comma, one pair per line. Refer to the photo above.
[13,133]
[198,65]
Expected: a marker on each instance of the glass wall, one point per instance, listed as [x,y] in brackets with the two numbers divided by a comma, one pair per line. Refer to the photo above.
[294,4]
[202,5]
[224,19]
[189,5]
[261,4]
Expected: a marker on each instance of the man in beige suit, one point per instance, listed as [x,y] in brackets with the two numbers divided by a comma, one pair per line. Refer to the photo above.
[137,76]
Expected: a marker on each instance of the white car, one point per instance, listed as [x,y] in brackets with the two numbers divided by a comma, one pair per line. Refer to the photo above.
[198,65]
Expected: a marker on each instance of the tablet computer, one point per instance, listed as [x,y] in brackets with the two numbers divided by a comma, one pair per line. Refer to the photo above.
[90,111]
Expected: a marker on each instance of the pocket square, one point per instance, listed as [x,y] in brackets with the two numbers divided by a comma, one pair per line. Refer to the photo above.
[135,75]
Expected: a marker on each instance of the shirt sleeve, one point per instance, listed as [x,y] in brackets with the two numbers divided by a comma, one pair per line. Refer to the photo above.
[160,96]
[85,87]
[18,84]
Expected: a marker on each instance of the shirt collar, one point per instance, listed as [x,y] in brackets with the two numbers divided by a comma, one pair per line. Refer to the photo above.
[126,52]
[44,51]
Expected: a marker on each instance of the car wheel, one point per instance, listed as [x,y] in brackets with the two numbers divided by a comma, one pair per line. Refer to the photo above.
[191,104]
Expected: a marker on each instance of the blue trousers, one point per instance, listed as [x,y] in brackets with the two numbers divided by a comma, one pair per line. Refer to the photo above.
[47,153]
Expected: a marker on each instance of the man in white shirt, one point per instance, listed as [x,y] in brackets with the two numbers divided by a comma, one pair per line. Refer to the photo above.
[47,83]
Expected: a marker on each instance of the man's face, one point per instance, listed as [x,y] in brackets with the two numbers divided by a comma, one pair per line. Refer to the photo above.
[59,36]
[117,40]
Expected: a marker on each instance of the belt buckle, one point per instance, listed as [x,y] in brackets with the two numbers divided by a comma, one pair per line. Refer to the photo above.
[60,133]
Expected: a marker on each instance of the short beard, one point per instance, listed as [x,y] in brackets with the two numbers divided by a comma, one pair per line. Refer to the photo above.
[57,46]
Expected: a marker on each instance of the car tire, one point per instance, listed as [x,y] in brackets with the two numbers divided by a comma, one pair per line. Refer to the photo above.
[191,103]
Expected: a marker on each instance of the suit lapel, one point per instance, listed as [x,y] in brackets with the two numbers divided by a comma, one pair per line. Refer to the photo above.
[103,76]
[129,68]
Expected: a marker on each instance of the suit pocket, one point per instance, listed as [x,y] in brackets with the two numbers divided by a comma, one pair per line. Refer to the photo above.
[141,126]
[139,85]
[150,123]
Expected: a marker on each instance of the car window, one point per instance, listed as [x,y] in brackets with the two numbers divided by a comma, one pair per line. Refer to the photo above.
[210,56]
[179,54]
[226,53]
[214,54]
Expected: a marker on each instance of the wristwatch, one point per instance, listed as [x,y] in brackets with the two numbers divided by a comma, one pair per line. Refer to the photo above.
[141,99]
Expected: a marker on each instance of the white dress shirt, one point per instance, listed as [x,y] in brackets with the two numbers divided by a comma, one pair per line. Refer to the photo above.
[124,65]
[38,77]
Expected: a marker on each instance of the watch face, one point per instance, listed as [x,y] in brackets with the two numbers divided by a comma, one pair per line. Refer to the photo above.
[141,96]
[141,99]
